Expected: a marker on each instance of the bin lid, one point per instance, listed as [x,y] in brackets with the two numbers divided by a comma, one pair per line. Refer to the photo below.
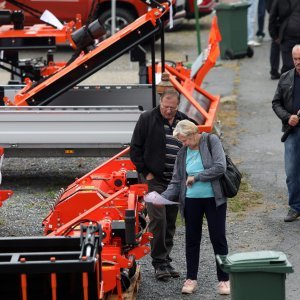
[231,6]
[257,258]
[266,261]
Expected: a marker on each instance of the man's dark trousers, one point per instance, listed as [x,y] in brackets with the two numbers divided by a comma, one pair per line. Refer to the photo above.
[162,225]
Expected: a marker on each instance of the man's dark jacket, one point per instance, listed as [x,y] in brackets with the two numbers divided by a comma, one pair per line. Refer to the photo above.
[282,103]
[284,19]
[268,5]
[148,143]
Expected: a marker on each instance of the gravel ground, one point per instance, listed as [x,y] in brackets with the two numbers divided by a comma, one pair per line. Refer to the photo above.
[36,181]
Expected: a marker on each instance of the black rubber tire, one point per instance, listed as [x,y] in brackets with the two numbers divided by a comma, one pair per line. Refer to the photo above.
[123,18]
[229,54]
[250,51]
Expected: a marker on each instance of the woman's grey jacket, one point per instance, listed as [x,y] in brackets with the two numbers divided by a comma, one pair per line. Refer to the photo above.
[214,167]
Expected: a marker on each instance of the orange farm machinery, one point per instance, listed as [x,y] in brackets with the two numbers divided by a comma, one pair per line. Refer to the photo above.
[96,231]
[94,235]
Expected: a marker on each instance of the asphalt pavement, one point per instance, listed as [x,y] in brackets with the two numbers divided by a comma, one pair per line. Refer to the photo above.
[261,153]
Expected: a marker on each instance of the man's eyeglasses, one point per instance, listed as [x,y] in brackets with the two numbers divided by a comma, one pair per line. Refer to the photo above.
[168,107]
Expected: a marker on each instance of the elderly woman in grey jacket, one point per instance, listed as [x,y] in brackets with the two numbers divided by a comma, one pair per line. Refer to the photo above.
[196,183]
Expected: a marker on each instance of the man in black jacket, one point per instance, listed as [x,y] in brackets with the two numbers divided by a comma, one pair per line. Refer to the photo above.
[284,24]
[274,50]
[153,150]
[286,105]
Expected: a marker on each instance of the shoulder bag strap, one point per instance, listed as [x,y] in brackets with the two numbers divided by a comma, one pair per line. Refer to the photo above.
[209,144]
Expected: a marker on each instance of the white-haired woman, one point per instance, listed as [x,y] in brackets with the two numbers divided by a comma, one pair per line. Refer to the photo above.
[196,183]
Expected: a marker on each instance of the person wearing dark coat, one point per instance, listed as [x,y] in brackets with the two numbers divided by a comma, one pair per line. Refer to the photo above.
[284,24]
[153,151]
[274,50]
[286,105]
[261,12]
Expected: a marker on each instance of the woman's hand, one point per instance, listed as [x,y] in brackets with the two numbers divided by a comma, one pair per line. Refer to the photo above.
[190,181]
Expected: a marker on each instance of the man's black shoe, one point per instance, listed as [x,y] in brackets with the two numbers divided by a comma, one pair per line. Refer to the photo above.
[275,76]
[292,215]
[161,273]
[172,271]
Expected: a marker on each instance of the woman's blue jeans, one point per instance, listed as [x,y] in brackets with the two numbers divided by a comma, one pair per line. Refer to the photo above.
[292,167]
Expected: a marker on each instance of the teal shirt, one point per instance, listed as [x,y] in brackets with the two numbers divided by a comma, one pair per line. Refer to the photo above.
[194,166]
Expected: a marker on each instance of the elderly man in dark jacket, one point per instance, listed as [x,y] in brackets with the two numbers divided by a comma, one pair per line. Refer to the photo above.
[286,105]
[153,151]
[284,24]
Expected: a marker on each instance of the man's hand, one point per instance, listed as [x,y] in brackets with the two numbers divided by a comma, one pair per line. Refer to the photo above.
[190,181]
[149,176]
[293,120]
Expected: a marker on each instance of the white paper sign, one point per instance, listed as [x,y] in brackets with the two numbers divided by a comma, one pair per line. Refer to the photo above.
[49,18]
[171,22]
[156,198]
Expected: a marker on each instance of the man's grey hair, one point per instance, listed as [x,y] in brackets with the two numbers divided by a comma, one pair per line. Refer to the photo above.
[296,47]
[185,128]
[170,92]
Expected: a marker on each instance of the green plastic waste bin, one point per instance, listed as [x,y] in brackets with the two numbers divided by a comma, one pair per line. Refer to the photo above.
[256,275]
[232,21]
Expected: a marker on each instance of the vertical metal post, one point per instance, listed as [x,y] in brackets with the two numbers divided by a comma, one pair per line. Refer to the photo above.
[153,72]
[162,47]
[113,17]
[196,12]
[54,286]
[24,285]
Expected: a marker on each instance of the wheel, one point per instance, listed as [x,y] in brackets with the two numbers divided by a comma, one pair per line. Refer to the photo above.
[229,54]
[123,18]
[250,51]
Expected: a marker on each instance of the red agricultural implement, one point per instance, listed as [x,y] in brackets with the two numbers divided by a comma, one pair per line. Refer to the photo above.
[95,234]
[4,194]
[96,231]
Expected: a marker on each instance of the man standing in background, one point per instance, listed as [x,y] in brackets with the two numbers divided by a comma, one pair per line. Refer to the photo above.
[274,50]
[284,24]
[286,105]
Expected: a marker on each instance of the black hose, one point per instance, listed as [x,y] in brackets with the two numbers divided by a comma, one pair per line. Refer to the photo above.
[32,11]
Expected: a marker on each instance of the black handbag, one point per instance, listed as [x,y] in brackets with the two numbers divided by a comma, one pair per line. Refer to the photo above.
[231,179]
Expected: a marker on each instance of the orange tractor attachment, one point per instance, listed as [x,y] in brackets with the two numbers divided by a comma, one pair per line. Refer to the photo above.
[42,35]
[111,197]
[92,57]
[96,232]
[199,103]
[4,194]
[15,37]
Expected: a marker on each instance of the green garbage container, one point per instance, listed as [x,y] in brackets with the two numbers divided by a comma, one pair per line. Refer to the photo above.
[258,275]
[232,21]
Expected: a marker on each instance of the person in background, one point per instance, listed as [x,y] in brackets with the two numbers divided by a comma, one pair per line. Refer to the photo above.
[286,105]
[153,151]
[251,18]
[261,12]
[274,50]
[284,24]
[196,183]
